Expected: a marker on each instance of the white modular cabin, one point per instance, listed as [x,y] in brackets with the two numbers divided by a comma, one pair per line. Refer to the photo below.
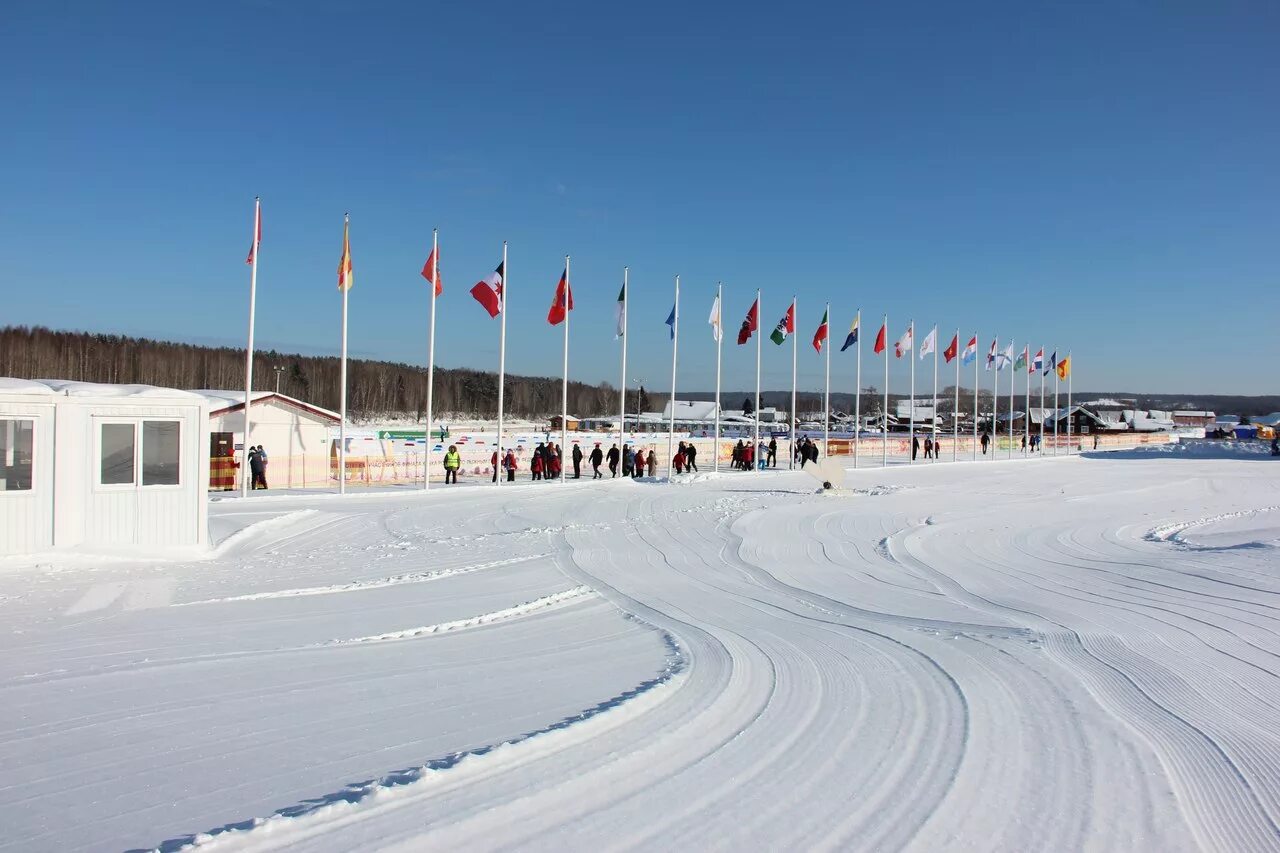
[295,435]
[120,467]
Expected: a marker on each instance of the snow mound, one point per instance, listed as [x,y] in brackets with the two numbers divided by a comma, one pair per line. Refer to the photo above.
[1192,449]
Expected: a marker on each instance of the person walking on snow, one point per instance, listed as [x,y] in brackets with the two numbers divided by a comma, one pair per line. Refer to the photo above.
[677,462]
[1024,444]
[772,459]
[577,462]
[653,464]
[493,463]
[915,447]
[535,464]
[262,457]
[691,457]
[613,460]
[511,466]
[928,448]
[452,461]
[986,439]
[255,467]
[597,459]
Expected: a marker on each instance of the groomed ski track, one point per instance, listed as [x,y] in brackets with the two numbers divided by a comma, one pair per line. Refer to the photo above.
[1004,656]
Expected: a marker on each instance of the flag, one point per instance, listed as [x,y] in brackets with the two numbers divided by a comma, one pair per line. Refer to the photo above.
[620,313]
[562,304]
[1064,368]
[991,354]
[750,324]
[346,273]
[903,344]
[1021,363]
[671,321]
[820,336]
[970,350]
[1053,363]
[1037,363]
[1005,357]
[952,348]
[488,292]
[930,343]
[257,238]
[431,273]
[853,333]
[714,319]
[880,338]
[786,325]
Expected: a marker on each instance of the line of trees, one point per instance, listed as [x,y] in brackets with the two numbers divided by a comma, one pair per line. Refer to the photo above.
[376,388]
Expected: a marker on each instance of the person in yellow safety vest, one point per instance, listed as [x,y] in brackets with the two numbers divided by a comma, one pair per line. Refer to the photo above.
[452,462]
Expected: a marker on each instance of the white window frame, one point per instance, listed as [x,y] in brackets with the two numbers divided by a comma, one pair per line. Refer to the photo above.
[35,450]
[136,423]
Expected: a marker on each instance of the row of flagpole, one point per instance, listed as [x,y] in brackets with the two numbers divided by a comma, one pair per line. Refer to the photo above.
[492,293]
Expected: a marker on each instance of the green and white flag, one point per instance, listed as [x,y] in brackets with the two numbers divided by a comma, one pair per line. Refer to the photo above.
[786,326]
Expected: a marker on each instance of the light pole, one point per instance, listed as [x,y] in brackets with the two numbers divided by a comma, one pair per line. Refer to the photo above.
[278,371]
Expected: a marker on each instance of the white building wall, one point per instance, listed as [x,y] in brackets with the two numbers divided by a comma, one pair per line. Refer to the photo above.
[297,443]
[26,517]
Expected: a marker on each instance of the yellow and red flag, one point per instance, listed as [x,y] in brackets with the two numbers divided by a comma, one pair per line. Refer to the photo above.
[346,273]
[1064,368]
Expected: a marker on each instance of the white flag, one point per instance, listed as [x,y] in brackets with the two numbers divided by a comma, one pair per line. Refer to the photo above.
[930,341]
[1005,357]
[903,344]
[714,319]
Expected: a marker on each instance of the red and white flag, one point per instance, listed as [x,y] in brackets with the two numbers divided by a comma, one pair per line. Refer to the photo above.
[930,342]
[750,324]
[431,272]
[903,344]
[562,304]
[488,292]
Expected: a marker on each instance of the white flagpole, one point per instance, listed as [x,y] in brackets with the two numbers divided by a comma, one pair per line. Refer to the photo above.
[431,356]
[759,335]
[857,391]
[975,397]
[502,356]
[935,393]
[564,386]
[248,359]
[1070,370]
[622,394]
[884,438]
[1056,412]
[675,349]
[715,451]
[911,429]
[1042,405]
[795,419]
[1013,384]
[995,398]
[826,395]
[955,412]
[1026,420]
[342,382]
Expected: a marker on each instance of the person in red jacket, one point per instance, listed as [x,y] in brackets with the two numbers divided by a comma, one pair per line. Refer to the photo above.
[493,461]
[511,466]
[535,464]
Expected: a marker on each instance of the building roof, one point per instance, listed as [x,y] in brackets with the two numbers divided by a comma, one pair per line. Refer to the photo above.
[222,402]
[68,388]
[691,410]
[1272,419]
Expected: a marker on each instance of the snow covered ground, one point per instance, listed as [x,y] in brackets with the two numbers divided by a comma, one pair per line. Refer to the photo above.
[1053,654]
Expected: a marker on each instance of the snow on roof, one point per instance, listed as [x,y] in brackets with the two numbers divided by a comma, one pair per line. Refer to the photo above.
[1272,419]
[225,401]
[691,410]
[68,388]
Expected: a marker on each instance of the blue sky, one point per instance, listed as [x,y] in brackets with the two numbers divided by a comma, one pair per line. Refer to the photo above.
[1102,177]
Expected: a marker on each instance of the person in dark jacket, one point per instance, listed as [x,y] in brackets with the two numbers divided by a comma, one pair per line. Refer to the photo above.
[577,462]
[691,457]
[628,460]
[613,461]
[928,447]
[813,452]
[597,459]
[255,467]
[915,447]
[986,440]
[772,460]
[737,454]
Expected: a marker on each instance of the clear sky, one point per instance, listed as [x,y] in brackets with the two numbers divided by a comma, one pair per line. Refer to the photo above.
[1103,177]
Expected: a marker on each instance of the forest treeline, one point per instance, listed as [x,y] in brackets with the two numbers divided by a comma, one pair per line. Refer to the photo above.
[375,388]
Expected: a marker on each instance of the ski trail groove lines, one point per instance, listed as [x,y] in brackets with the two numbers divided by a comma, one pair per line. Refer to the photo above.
[357,586]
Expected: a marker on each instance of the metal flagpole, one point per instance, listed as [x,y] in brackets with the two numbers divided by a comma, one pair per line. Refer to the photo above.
[675,348]
[248,358]
[622,394]
[1056,412]
[1042,405]
[431,356]
[975,396]
[955,412]
[564,386]
[857,390]
[911,429]
[826,396]
[1069,371]
[884,438]
[760,334]
[935,393]
[502,354]
[719,330]
[1026,420]
[1013,383]
[995,397]
[342,371]
[795,419]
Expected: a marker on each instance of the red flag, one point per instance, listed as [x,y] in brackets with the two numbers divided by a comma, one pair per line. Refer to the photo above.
[253,248]
[952,348]
[489,292]
[820,336]
[431,272]
[563,303]
[880,339]
[750,324]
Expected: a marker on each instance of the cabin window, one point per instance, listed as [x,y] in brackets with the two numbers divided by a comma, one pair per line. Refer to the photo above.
[160,452]
[15,455]
[118,454]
